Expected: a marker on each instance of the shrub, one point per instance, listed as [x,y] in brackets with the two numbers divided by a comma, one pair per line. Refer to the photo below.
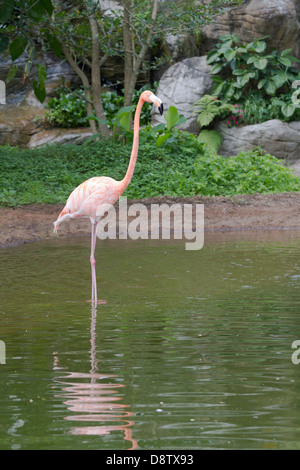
[243,71]
[49,174]
[68,109]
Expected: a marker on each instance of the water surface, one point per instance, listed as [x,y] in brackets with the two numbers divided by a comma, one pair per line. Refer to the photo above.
[192,349]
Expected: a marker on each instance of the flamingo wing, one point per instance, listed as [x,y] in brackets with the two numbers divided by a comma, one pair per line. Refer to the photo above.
[87,197]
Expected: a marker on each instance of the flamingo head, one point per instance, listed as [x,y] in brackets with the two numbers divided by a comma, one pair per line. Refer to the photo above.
[150,97]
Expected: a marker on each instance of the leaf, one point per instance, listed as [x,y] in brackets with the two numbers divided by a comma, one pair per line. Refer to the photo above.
[239,72]
[162,138]
[171,117]
[125,119]
[227,37]
[216,68]
[17,47]
[125,109]
[242,80]
[238,94]
[55,45]
[280,79]
[3,42]
[181,120]
[11,73]
[211,138]
[158,127]
[230,54]
[225,46]
[285,61]
[260,63]
[217,88]
[39,90]
[230,91]
[286,52]
[261,83]
[42,75]
[257,46]
[251,59]
[270,87]
[35,9]
[47,4]
[212,56]
[6,9]
[288,109]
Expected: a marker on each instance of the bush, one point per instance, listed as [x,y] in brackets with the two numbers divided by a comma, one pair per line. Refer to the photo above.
[49,174]
[243,72]
[68,109]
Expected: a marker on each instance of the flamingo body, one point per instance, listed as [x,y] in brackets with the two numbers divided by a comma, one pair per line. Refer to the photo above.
[88,196]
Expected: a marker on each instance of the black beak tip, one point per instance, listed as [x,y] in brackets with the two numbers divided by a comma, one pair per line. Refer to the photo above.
[161,109]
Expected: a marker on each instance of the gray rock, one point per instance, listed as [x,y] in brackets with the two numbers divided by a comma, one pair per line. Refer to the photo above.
[281,139]
[295,167]
[59,136]
[255,18]
[16,90]
[180,86]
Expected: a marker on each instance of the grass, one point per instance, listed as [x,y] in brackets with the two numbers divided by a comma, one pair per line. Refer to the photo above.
[49,174]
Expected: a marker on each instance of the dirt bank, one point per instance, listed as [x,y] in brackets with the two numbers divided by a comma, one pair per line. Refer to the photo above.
[251,212]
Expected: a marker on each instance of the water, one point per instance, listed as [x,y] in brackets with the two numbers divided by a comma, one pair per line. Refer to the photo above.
[192,350]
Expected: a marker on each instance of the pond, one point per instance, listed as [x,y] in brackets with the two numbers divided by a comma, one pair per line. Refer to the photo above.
[190,350]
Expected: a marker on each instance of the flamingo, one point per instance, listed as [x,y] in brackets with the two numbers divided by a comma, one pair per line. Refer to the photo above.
[95,192]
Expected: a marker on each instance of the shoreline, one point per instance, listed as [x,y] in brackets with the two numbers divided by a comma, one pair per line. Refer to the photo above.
[242,213]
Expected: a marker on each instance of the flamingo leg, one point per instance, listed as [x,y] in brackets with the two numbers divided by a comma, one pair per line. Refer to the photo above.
[93,261]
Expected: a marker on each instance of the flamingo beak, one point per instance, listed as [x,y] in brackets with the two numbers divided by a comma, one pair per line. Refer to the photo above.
[158,103]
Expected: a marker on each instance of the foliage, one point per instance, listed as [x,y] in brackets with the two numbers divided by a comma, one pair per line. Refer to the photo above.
[32,26]
[257,109]
[49,174]
[209,107]
[67,110]
[211,138]
[241,71]
[169,136]
[247,173]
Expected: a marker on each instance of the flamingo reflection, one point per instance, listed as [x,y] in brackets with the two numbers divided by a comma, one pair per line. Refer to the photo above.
[93,401]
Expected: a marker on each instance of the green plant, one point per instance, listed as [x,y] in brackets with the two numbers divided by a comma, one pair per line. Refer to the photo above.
[241,71]
[48,174]
[209,108]
[169,136]
[67,110]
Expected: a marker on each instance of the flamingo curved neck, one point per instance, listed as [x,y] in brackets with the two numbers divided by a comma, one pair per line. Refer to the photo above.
[135,146]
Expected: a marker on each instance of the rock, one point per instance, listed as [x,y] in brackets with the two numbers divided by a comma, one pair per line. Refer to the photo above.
[180,86]
[31,100]
[18,124]
[257,18]
[295,167]
[57,72]
[59,136]
[281,139]
[23,126]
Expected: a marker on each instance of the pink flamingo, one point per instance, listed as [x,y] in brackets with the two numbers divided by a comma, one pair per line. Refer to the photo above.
[100,191]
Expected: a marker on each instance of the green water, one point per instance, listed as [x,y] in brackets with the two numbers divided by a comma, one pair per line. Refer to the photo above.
[192,349]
